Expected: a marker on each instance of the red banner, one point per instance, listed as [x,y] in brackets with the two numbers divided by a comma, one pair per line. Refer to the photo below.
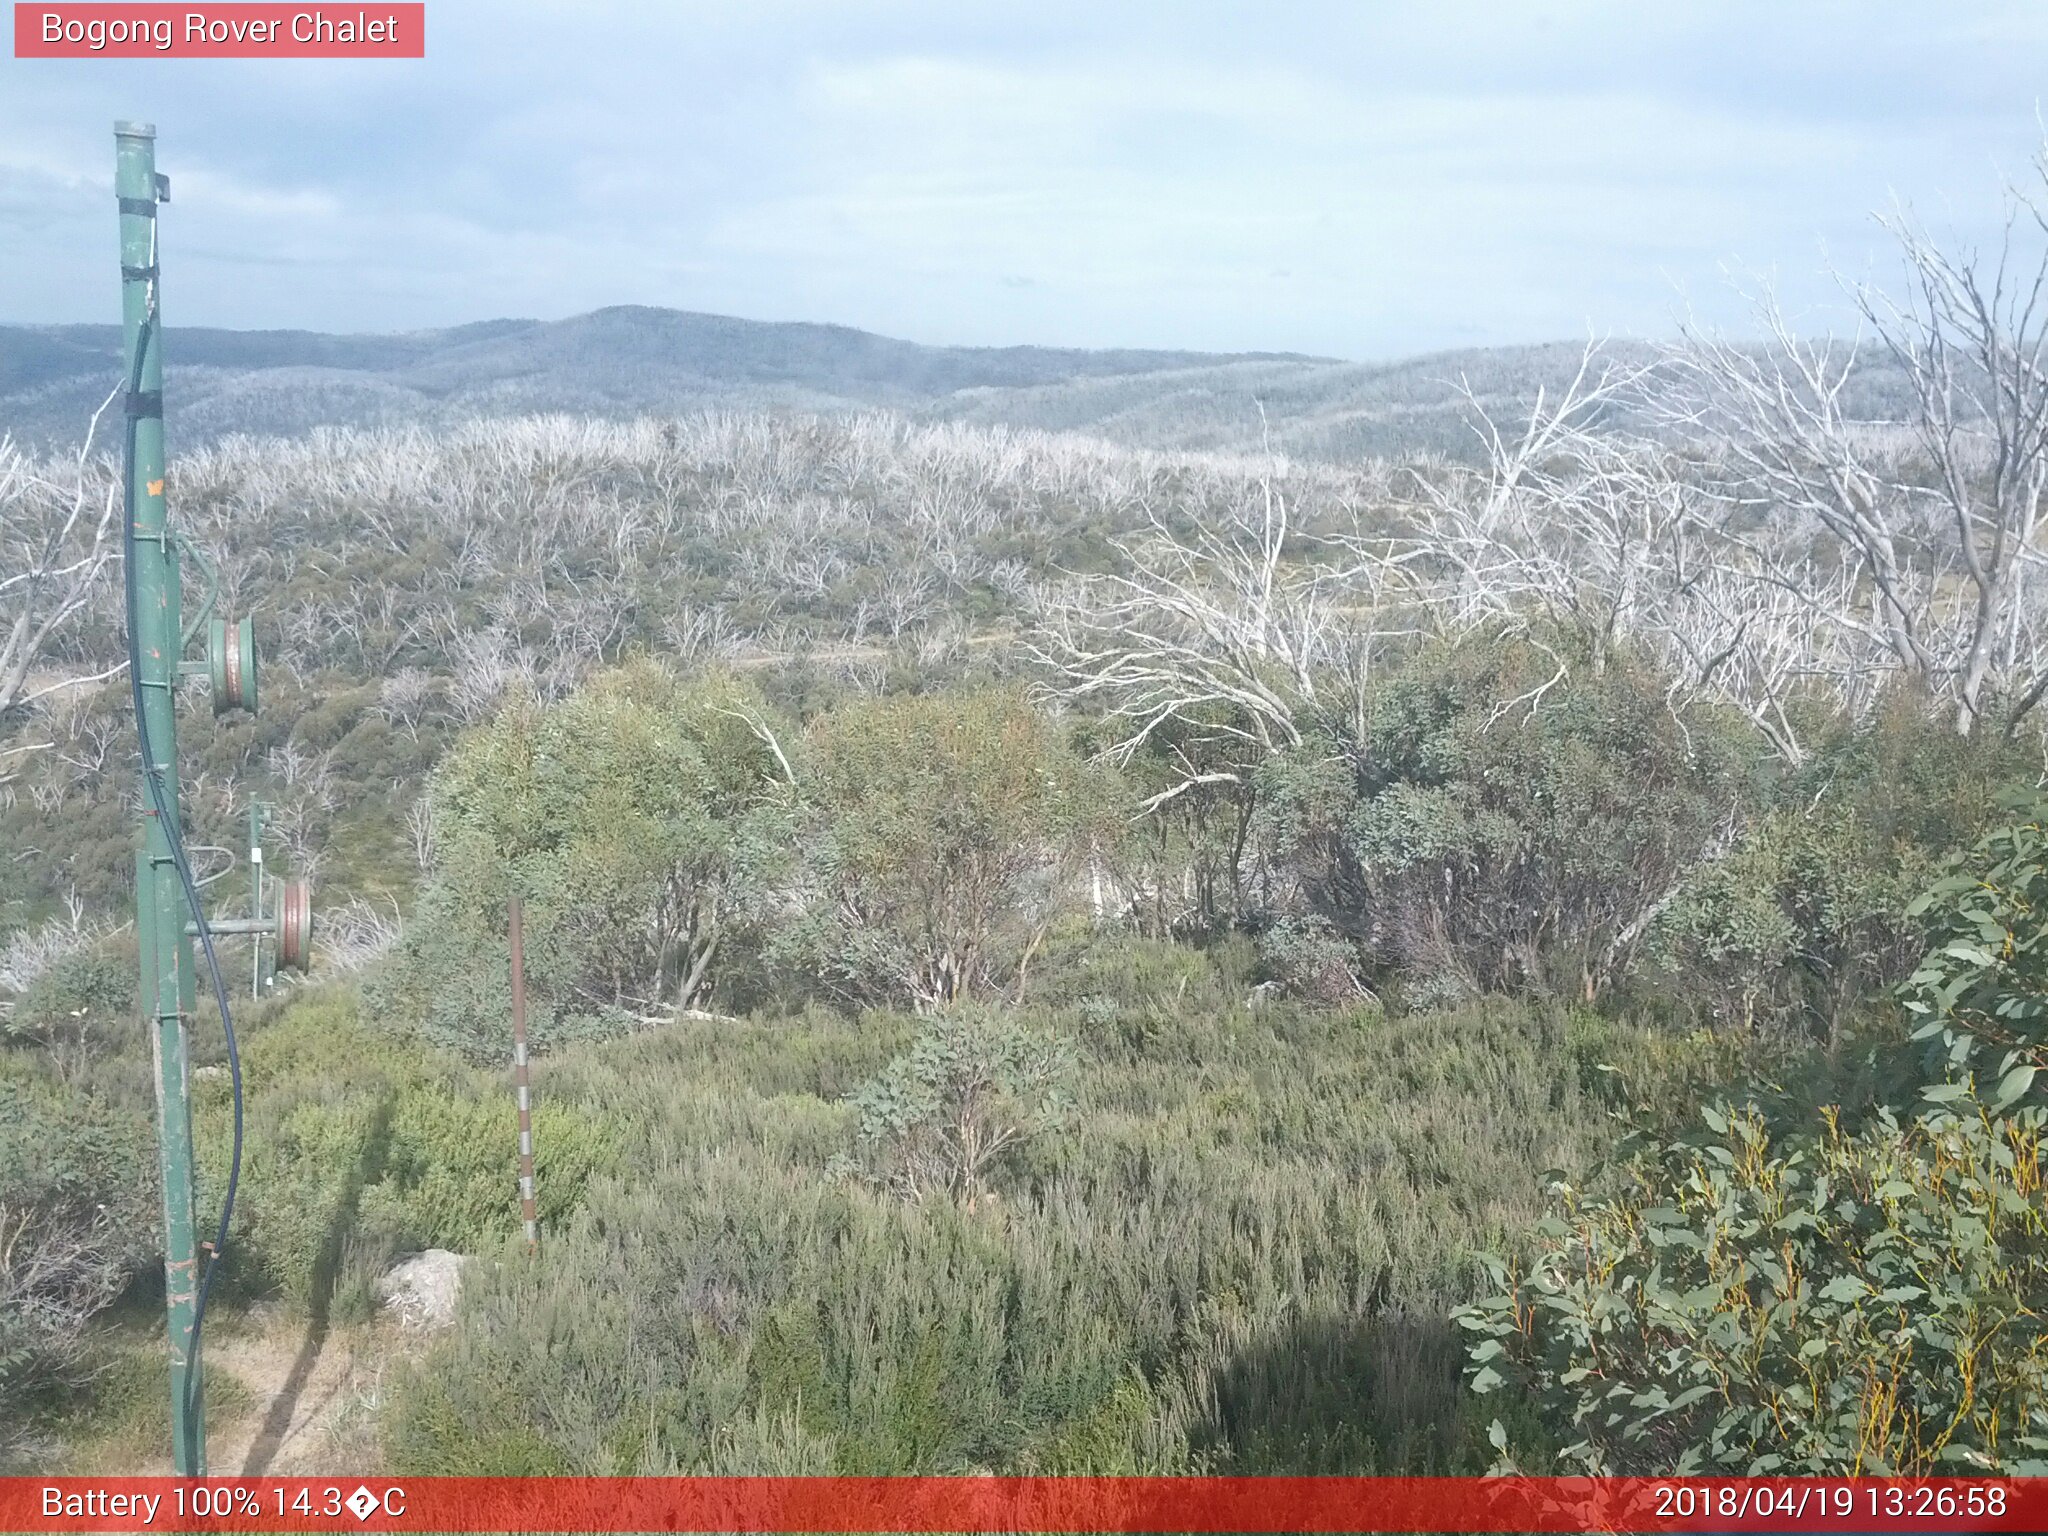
[1077,1504]
[244,31]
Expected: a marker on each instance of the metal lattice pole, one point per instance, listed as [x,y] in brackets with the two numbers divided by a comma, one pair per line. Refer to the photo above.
[528,1213]
[167,973]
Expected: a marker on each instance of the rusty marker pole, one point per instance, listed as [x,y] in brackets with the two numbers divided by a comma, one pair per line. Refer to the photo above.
[527,1212]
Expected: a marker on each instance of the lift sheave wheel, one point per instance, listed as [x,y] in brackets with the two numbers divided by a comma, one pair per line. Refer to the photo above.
[231,649]
[295,927]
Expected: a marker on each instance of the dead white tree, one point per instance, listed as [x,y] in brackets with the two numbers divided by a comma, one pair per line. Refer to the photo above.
[1969,334]
[1561,528]
[1937,515]
[58,1268]
[405,697]
[1789,456]
[1760,637]
[359,932]
[28,953]
[1571,528]
[58,536]
[1224,630]
[419,822]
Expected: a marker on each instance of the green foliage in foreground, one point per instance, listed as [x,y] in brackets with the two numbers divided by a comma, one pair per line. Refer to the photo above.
[1816,1304]
[1119,1217]
[1979,999]
[77,1190]
[1768,1294]
[361,1142]
[1237,1255]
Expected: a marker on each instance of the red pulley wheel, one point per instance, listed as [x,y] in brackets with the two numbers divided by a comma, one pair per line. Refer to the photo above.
[295,927]
[232,649]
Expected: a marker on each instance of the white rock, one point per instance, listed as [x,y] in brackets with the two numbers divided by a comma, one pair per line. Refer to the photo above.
[421,1290]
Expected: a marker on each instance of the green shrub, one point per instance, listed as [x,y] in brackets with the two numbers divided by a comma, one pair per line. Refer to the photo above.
[1803,921]
[1979,999]
[1811,1304]
[1771,1294]
[1493,828]
[1236,1255]
[1081,960]
[79,1217]
[361,1144]
[303,1176]
[1307,958]
[463,1428]
[83,993]
[973,1088]
[630,817]
[451,1162]
[318,1090]
[939,833]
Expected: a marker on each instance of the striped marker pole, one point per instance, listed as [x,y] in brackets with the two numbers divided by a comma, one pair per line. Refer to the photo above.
[527,1212]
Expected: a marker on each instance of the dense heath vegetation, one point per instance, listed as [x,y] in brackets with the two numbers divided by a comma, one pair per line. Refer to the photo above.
[907,1104]
[1055,957]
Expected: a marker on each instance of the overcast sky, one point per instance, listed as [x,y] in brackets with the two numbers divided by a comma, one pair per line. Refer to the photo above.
[1360,179]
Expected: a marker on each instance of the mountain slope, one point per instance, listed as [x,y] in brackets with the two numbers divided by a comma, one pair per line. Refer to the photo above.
[632,361]
[616,360]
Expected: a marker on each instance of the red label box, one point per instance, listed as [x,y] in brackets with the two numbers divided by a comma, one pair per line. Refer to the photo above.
[372,30]
[396,1506]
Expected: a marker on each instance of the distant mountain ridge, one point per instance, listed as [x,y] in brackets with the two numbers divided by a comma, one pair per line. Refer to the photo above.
[713,348]
[632,360]
[622,359]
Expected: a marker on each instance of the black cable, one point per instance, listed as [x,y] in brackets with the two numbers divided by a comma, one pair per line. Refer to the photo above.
[166,815]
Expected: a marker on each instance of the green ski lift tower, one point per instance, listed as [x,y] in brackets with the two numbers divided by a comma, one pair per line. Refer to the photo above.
[168,914]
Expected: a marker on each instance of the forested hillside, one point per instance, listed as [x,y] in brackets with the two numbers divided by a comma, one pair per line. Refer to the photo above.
[623,363]
[1055,955]
[615,362]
